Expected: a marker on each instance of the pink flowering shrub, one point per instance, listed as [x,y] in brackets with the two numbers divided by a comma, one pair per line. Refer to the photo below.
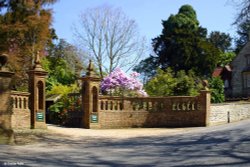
[118,83]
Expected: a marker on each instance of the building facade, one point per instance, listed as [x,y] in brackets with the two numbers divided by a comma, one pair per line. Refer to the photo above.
[241,73]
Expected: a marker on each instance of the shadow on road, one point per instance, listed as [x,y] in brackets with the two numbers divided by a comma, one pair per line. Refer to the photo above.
[226,147]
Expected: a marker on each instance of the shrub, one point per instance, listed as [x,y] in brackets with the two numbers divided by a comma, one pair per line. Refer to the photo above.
[118,83]
[216,86]
[59,110]
[166,83]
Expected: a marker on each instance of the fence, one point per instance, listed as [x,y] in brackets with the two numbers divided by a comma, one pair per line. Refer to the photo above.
[150,104]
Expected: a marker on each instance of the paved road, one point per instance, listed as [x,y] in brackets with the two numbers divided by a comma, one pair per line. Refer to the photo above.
[226,145]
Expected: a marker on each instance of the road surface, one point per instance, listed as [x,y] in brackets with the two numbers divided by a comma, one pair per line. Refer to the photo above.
[217,146]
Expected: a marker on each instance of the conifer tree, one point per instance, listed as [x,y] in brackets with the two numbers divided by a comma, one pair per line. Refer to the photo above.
[183,45]
[24,30]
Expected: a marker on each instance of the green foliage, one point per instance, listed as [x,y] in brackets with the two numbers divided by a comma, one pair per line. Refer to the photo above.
[58,111]
[185,84]
[59,72]
[64,67]
[182,46]
[166,83]
[162,84]
[147,67]
[57,107]
[226,58]
[63,64]
[216,86]
[63,90]
[221,40]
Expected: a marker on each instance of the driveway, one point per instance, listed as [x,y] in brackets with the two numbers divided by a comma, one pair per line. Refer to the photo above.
[224,145]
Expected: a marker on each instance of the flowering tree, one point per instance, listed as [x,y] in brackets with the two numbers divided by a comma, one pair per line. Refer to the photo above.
[118,83]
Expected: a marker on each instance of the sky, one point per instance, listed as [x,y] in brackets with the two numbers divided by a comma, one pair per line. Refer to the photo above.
[215,15]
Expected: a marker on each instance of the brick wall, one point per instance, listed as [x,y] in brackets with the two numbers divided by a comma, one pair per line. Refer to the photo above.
[229,112]
[127,119]
[115,112]
[21,113]
[182,111]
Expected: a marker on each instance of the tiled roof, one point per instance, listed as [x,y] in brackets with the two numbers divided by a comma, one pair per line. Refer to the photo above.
[53,97]
[217,72]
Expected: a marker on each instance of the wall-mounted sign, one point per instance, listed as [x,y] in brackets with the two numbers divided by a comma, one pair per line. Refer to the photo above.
[94,118]
[40,116]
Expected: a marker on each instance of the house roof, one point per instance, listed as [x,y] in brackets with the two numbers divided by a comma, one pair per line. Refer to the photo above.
[53,98]
[228,68]
[242,53]
[217,72]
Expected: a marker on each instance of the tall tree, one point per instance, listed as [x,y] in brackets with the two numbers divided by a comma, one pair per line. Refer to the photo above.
[110,37]
[221,40]
[148,67]
[25,29]
[183,44]
[63,64]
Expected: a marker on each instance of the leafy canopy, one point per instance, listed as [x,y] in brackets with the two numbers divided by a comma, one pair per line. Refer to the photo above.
[182,45]
[63,64]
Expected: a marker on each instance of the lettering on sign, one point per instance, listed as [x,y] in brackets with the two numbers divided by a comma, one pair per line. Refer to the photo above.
[186,106]
[94,118]
[40,116]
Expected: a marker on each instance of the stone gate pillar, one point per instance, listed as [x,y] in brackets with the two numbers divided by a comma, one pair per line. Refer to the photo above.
[6,132]
[205,101]
[90,97]
[37,95]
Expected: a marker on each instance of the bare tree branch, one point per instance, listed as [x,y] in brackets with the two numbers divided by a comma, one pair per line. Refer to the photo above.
[110,37]
[243,6]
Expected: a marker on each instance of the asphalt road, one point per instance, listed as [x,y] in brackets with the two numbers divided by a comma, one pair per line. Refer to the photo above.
[217,146]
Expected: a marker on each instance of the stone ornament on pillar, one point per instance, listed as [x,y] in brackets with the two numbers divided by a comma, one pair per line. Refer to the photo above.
[205,85]
[37,86]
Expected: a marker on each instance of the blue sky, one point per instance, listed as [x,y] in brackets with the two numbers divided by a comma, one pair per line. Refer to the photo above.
[215,15]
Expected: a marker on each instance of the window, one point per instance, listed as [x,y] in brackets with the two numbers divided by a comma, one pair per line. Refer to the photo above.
[246,80]
[248,59]
[226,84]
